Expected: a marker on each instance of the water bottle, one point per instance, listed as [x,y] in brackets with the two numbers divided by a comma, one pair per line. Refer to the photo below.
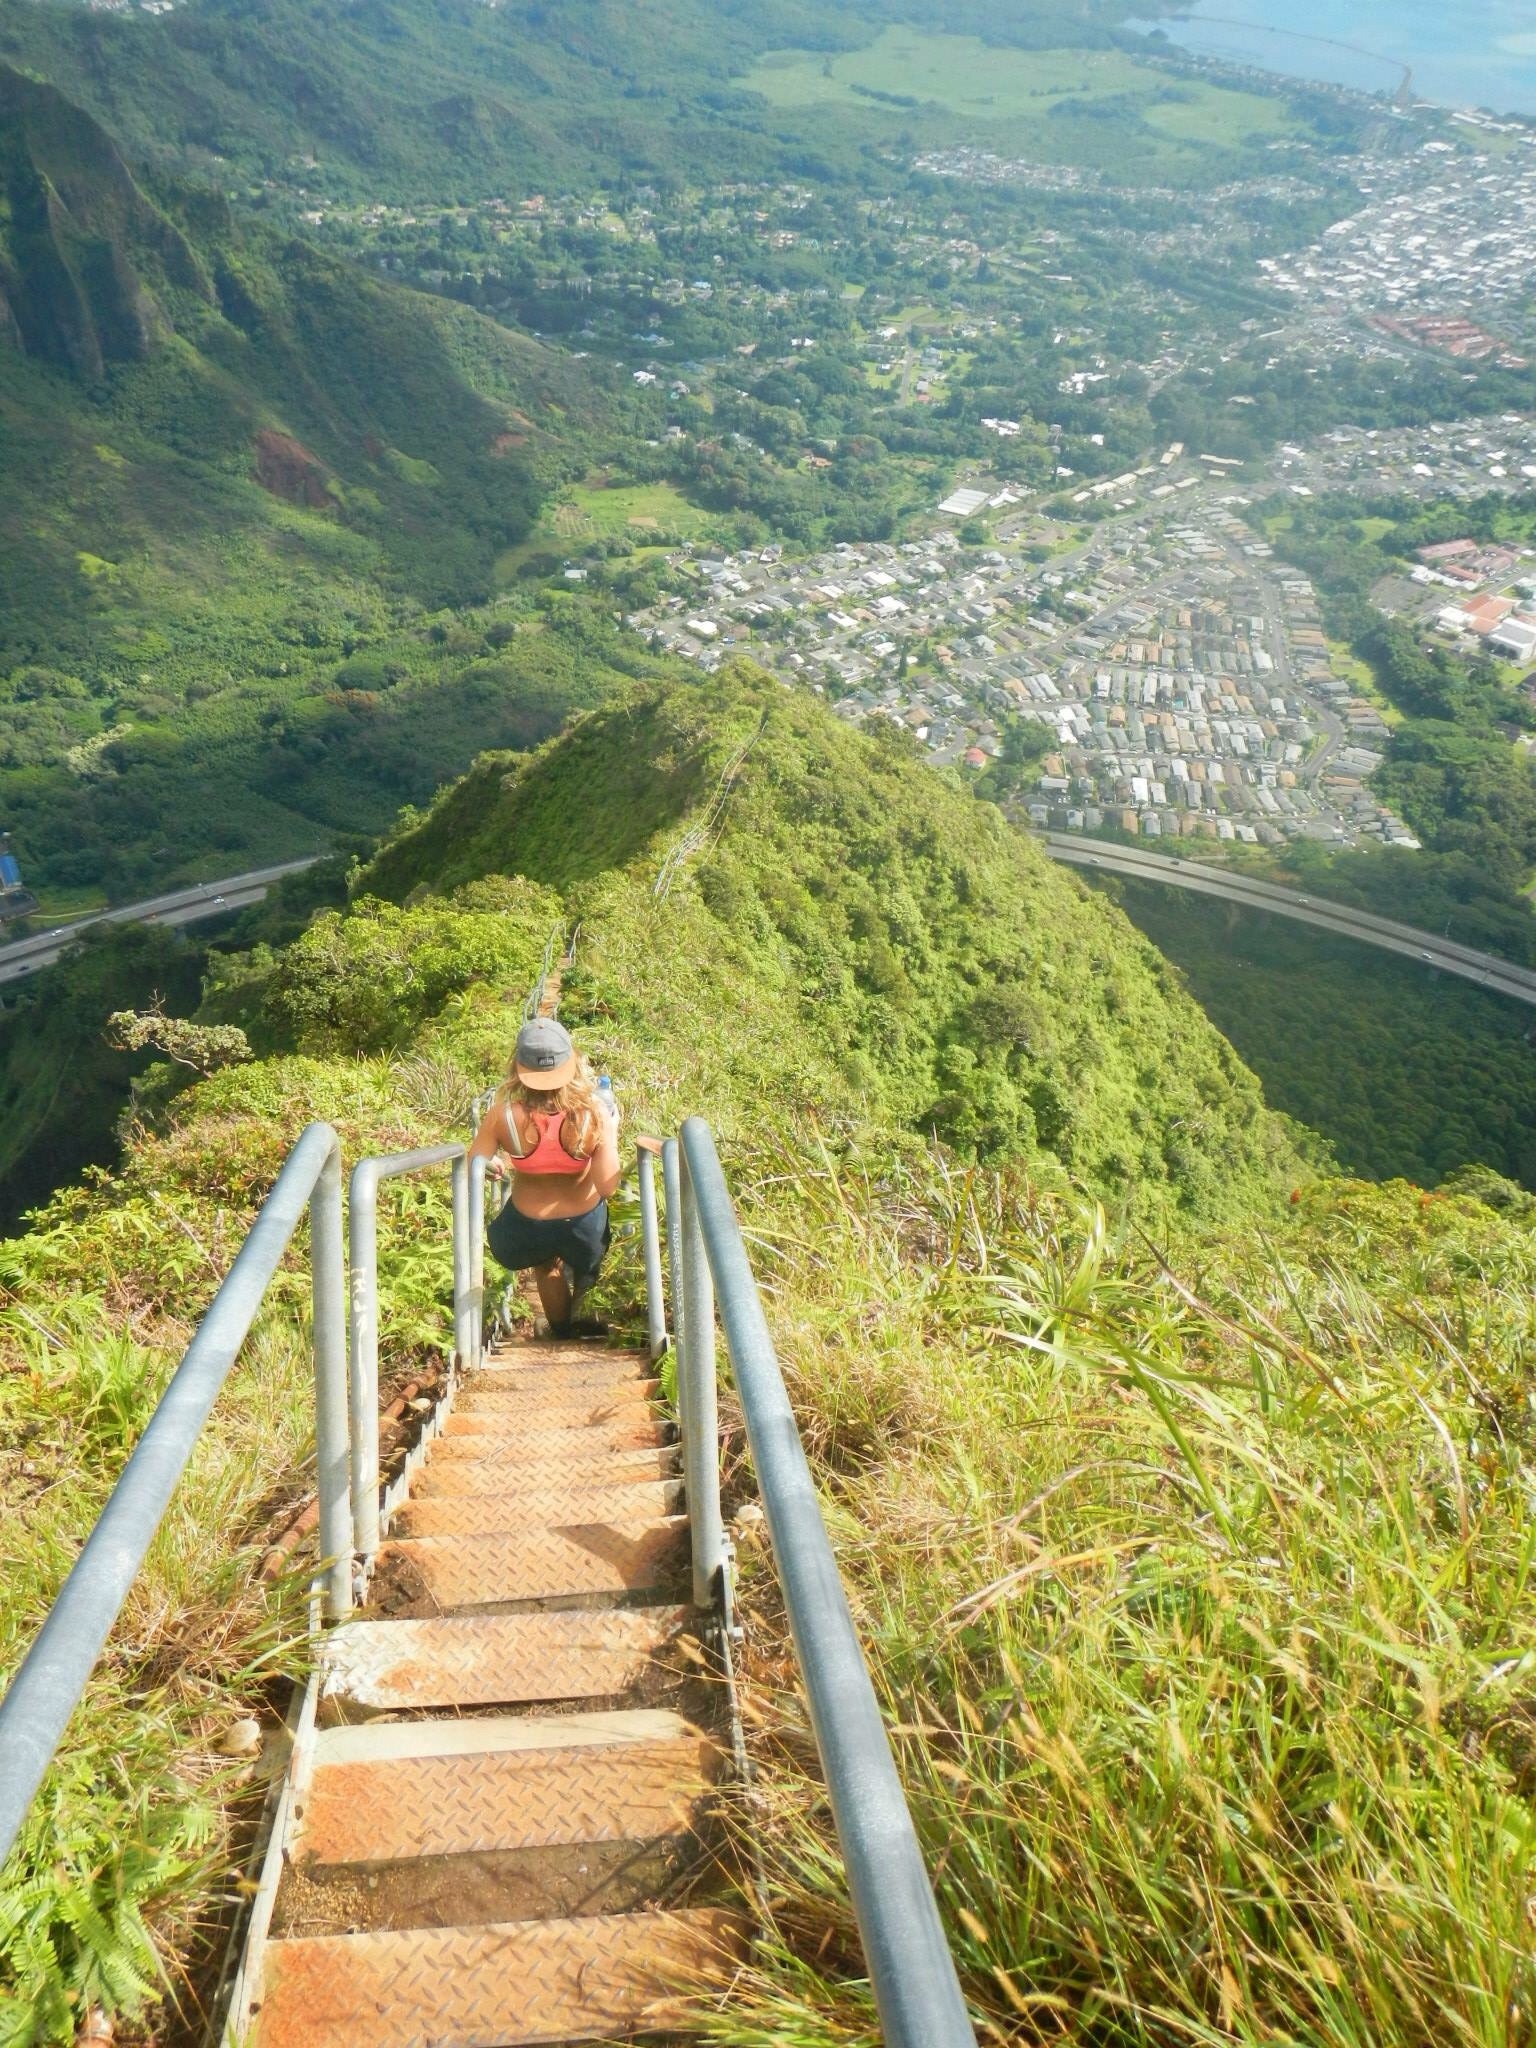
[605,1096]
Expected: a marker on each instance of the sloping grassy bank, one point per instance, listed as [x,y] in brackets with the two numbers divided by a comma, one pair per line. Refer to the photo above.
[1197,1588]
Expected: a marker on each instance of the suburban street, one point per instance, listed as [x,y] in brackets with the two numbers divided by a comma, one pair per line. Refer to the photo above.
[1485,969]
[178,906]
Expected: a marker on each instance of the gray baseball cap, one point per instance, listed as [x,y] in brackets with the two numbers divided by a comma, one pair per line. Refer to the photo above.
[544,1055]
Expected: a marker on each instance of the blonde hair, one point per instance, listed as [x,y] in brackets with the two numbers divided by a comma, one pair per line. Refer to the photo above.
[577,1102]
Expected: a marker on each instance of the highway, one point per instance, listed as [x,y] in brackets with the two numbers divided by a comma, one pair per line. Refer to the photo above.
[178,906]
[1485,969]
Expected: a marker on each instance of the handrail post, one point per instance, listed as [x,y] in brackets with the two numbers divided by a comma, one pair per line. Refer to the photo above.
[363,1293]
[701,1435]
[650,1241]
[477,1185]
[332,1438]
[462,1336]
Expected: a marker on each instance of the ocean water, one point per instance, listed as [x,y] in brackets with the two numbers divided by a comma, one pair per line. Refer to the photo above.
[1463,53]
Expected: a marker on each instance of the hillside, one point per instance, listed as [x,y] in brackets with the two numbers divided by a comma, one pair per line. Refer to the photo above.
[227,462]
[920,955]
[438,99]
[1191,1575]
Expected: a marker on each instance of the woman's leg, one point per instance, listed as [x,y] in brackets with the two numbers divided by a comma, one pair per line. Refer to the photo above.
[554,1294]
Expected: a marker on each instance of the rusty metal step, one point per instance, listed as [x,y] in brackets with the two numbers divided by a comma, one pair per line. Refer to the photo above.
[540,1354]
[566,1379]
[517,1506]
[491,1660]
[576,1439]
[492,1466]
[531,1563]
[553,1403]
[386,1791]
[497,1986]
[524,1417]
[567,1382]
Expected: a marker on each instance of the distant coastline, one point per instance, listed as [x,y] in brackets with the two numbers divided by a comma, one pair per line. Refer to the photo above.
[1482,54]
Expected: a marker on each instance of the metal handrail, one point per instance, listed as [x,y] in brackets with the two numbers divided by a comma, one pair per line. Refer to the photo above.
[911,1970]
[47,1688]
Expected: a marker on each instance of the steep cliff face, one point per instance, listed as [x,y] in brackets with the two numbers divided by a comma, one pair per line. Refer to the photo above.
[88,263]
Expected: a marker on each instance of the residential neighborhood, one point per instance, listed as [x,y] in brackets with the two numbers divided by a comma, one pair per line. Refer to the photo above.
[1179,669]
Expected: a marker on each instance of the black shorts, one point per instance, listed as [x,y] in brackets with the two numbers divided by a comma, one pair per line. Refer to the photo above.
[518,1241]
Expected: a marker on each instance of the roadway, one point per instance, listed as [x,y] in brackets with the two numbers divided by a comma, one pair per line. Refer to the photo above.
[1485,969]
[176,907]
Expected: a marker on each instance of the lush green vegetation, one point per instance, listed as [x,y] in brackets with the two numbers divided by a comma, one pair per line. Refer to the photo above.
[62,1087]
[1195,1580]
[915,944]
[436,103]
[1407,1074]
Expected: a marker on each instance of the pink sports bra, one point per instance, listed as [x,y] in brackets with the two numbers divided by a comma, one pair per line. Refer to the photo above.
[549,1154]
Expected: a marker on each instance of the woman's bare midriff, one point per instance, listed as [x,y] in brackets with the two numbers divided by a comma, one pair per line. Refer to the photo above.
[547,1197]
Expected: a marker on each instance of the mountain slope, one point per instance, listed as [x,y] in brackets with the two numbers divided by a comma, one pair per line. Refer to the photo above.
[432,99]
[860,931]
[227,462]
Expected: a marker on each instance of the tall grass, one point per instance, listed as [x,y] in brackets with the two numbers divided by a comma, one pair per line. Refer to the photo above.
[1198,1591]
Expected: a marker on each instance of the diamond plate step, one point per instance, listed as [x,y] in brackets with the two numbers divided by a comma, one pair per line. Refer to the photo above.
[492,1660]
[503,1986]
[491,1466]
[574,1439]
[541,1356]
[543,1397]
[616,1369]
[528,1414]
[388,1791]
[516,1506]
[532,1563]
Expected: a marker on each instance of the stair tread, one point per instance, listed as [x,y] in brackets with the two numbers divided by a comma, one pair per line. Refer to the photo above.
[564,1439]
[492,1986]
[540,1391]
[493,1660]
[498,1790]
[498,1466]
[579,1556]
[606,1728]
[511,1508]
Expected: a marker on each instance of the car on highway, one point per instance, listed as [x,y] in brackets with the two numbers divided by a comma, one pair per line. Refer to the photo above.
[1425,956]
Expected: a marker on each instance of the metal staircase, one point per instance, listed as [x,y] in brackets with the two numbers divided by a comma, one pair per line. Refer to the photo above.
[494,1826]
[416,1883]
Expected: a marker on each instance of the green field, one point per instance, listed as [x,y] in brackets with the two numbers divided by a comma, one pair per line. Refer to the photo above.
[964,76]
[646,515]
